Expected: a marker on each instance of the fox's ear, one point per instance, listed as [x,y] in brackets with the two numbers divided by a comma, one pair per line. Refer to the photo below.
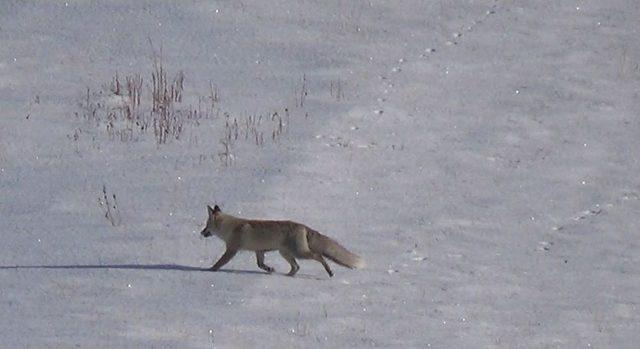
[211,210]
[216,209]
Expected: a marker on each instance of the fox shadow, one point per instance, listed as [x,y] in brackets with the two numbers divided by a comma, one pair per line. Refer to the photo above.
[168,267]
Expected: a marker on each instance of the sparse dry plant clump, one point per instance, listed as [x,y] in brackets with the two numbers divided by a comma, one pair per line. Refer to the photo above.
[252,129]
[304,91]
[336,89]
[109,204]
[168,121]
[127,111]
[130,107]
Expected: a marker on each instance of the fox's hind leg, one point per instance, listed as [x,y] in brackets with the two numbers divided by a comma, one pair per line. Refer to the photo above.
[318,257]
[303,250]
[292,261]
[261,265]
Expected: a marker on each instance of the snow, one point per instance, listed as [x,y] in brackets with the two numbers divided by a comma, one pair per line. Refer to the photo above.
[481,156]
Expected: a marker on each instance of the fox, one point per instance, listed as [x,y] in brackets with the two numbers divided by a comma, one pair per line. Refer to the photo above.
[293,240]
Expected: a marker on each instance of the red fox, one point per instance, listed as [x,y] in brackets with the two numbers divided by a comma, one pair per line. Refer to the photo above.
[293,240]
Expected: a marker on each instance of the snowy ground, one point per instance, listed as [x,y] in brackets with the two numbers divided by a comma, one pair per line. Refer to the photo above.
[482,156]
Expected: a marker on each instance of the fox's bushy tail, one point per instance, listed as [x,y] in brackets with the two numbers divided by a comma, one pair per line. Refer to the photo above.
[333,250]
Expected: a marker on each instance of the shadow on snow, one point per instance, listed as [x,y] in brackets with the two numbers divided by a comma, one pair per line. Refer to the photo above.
[130,267]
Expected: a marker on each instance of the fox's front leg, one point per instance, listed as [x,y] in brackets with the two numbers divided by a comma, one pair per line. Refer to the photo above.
[226,257]
[261,265]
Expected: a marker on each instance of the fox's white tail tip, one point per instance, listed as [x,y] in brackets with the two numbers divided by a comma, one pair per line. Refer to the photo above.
[359,263]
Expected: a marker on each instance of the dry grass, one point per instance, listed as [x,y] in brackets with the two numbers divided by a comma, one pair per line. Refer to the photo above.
[126,112]
[336,89]
[252,129]
[304,91]
[112,213]
[130,108]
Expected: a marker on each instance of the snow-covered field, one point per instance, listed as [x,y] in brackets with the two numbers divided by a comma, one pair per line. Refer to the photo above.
[482,156]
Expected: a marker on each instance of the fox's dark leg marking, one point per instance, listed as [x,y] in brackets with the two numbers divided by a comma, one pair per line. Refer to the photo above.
[292,261]
[226,257]
[318,257]
[261,265]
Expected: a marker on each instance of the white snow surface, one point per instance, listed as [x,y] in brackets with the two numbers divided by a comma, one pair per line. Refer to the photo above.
[481,156]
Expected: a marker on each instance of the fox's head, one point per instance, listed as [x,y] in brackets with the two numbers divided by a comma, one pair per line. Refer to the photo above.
[212,225]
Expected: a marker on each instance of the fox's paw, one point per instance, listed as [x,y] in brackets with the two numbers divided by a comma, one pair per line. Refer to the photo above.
[267,268]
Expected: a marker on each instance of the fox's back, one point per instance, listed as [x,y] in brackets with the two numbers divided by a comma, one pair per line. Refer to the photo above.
[267,235]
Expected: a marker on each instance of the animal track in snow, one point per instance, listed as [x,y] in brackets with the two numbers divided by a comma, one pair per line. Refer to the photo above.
[457,36]
[598,209]
[586,215]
